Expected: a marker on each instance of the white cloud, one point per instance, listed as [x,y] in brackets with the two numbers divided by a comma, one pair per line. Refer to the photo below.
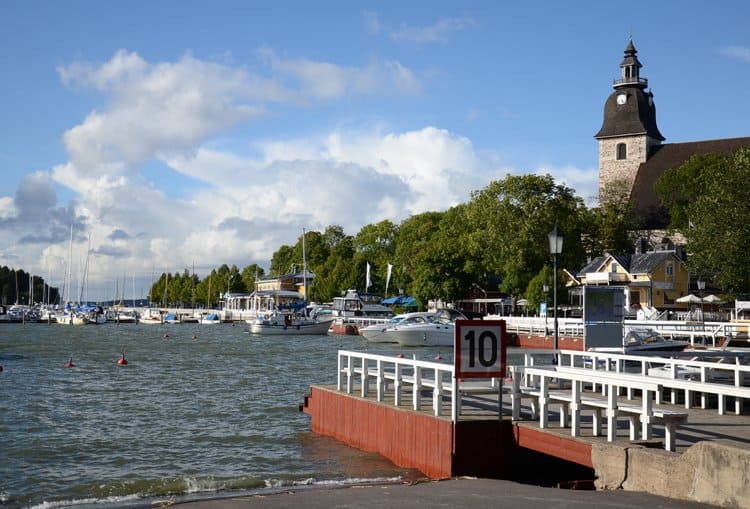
[738,52]
[439,32]
[585,182]
[170,114]
[326,81]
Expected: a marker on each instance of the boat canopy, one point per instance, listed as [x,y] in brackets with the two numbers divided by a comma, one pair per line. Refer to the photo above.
[401,300]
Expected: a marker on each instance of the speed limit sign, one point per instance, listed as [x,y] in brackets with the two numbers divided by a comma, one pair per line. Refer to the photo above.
[480,348]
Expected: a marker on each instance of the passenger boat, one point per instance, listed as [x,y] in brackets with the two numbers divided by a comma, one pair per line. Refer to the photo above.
[356,304]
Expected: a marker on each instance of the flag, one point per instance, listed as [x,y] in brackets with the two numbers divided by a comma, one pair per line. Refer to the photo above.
[388,278]
[367,278]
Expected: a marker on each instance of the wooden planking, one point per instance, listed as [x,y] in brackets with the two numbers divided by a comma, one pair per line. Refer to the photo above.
[408,439]
[563,447]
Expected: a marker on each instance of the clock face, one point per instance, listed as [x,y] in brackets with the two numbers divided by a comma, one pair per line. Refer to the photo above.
[621,99]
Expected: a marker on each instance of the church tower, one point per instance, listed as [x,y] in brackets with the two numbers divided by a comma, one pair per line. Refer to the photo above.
[629,134]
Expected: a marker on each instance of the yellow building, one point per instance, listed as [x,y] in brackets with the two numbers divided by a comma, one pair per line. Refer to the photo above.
[653,280]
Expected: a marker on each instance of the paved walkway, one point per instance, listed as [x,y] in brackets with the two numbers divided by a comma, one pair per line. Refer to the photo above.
[469,493]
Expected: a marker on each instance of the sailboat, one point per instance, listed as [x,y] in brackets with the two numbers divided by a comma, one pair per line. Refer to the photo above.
[285,323]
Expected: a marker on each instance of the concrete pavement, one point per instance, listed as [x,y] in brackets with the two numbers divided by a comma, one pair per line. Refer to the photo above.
[456,493]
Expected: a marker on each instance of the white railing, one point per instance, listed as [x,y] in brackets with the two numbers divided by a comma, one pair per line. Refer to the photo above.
[724,378]
[405,373]
[573,327]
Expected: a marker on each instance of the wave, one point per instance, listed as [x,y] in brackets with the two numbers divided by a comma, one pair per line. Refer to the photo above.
[167,492]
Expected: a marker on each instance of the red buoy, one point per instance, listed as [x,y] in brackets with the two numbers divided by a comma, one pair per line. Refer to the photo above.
[195,337]
[70,364]
[400,356]
[122,361]
[438,357]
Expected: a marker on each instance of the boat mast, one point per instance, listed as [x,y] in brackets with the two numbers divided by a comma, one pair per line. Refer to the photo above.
[304,266]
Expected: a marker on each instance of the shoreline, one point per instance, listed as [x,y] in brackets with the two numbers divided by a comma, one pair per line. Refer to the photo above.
[457,492]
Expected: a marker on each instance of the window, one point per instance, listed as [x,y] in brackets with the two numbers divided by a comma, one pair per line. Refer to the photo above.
[622,151]
[670,270]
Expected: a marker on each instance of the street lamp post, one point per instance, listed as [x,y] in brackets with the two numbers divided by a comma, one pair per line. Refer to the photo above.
[701,287]
[545,289]
[555,248]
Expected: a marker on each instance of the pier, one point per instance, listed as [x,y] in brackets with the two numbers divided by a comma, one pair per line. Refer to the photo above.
[669,426]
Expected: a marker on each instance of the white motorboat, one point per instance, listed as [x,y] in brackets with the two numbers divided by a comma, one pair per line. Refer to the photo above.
[287,324]
[375,333]
[440,330]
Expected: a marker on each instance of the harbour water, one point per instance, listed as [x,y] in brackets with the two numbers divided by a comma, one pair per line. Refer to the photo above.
[198,411]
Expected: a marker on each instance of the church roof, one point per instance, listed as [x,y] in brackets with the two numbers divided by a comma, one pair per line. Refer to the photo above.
[637,116]
[671,155]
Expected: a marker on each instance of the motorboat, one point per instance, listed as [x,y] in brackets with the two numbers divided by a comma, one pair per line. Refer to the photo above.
[151,317]
[640,340]
[648,340]
[360,304]
[288,324]
[375,333]
[439,330]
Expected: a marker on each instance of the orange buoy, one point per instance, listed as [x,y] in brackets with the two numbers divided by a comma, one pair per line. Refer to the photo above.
[70,364]
[122,361]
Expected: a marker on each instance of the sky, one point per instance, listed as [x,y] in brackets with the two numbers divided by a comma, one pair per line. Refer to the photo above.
[172,135]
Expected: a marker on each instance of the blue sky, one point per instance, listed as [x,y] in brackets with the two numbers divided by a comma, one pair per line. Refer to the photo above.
[181,133]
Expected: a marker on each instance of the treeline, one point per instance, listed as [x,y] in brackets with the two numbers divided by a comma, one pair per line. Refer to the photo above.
[499,235]
[498,240]
[18,286]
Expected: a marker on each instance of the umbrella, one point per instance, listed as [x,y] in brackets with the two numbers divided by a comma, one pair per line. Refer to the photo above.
[522,302]
[689,298]
[713,299]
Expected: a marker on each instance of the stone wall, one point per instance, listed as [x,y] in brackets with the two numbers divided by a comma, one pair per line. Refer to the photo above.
[708,472]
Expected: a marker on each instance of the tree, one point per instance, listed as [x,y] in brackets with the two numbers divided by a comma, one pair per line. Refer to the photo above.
[510,220]
[718,235]
[249,275]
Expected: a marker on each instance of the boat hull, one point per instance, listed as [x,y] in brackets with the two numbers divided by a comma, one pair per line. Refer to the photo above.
[423,336]
[272,329]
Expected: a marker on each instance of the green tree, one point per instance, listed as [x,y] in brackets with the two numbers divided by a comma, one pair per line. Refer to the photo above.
[250,274]
[510,221]
[719,237]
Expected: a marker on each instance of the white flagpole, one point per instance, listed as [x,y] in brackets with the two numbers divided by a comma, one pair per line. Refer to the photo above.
[388,278]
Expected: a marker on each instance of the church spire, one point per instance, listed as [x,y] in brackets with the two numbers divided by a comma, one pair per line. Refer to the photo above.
[631,69]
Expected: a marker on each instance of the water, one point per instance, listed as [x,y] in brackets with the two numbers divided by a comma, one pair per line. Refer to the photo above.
[214,415]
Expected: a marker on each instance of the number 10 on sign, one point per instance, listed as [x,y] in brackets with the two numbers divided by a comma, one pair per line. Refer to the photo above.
[480,348]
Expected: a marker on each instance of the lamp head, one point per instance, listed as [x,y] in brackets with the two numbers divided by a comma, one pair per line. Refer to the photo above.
[555,241]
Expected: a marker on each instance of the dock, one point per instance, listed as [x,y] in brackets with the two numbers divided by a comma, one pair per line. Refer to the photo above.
[671,427]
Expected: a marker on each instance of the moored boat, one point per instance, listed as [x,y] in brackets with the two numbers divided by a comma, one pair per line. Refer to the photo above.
[288,324]
[378,332]
[439,330]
